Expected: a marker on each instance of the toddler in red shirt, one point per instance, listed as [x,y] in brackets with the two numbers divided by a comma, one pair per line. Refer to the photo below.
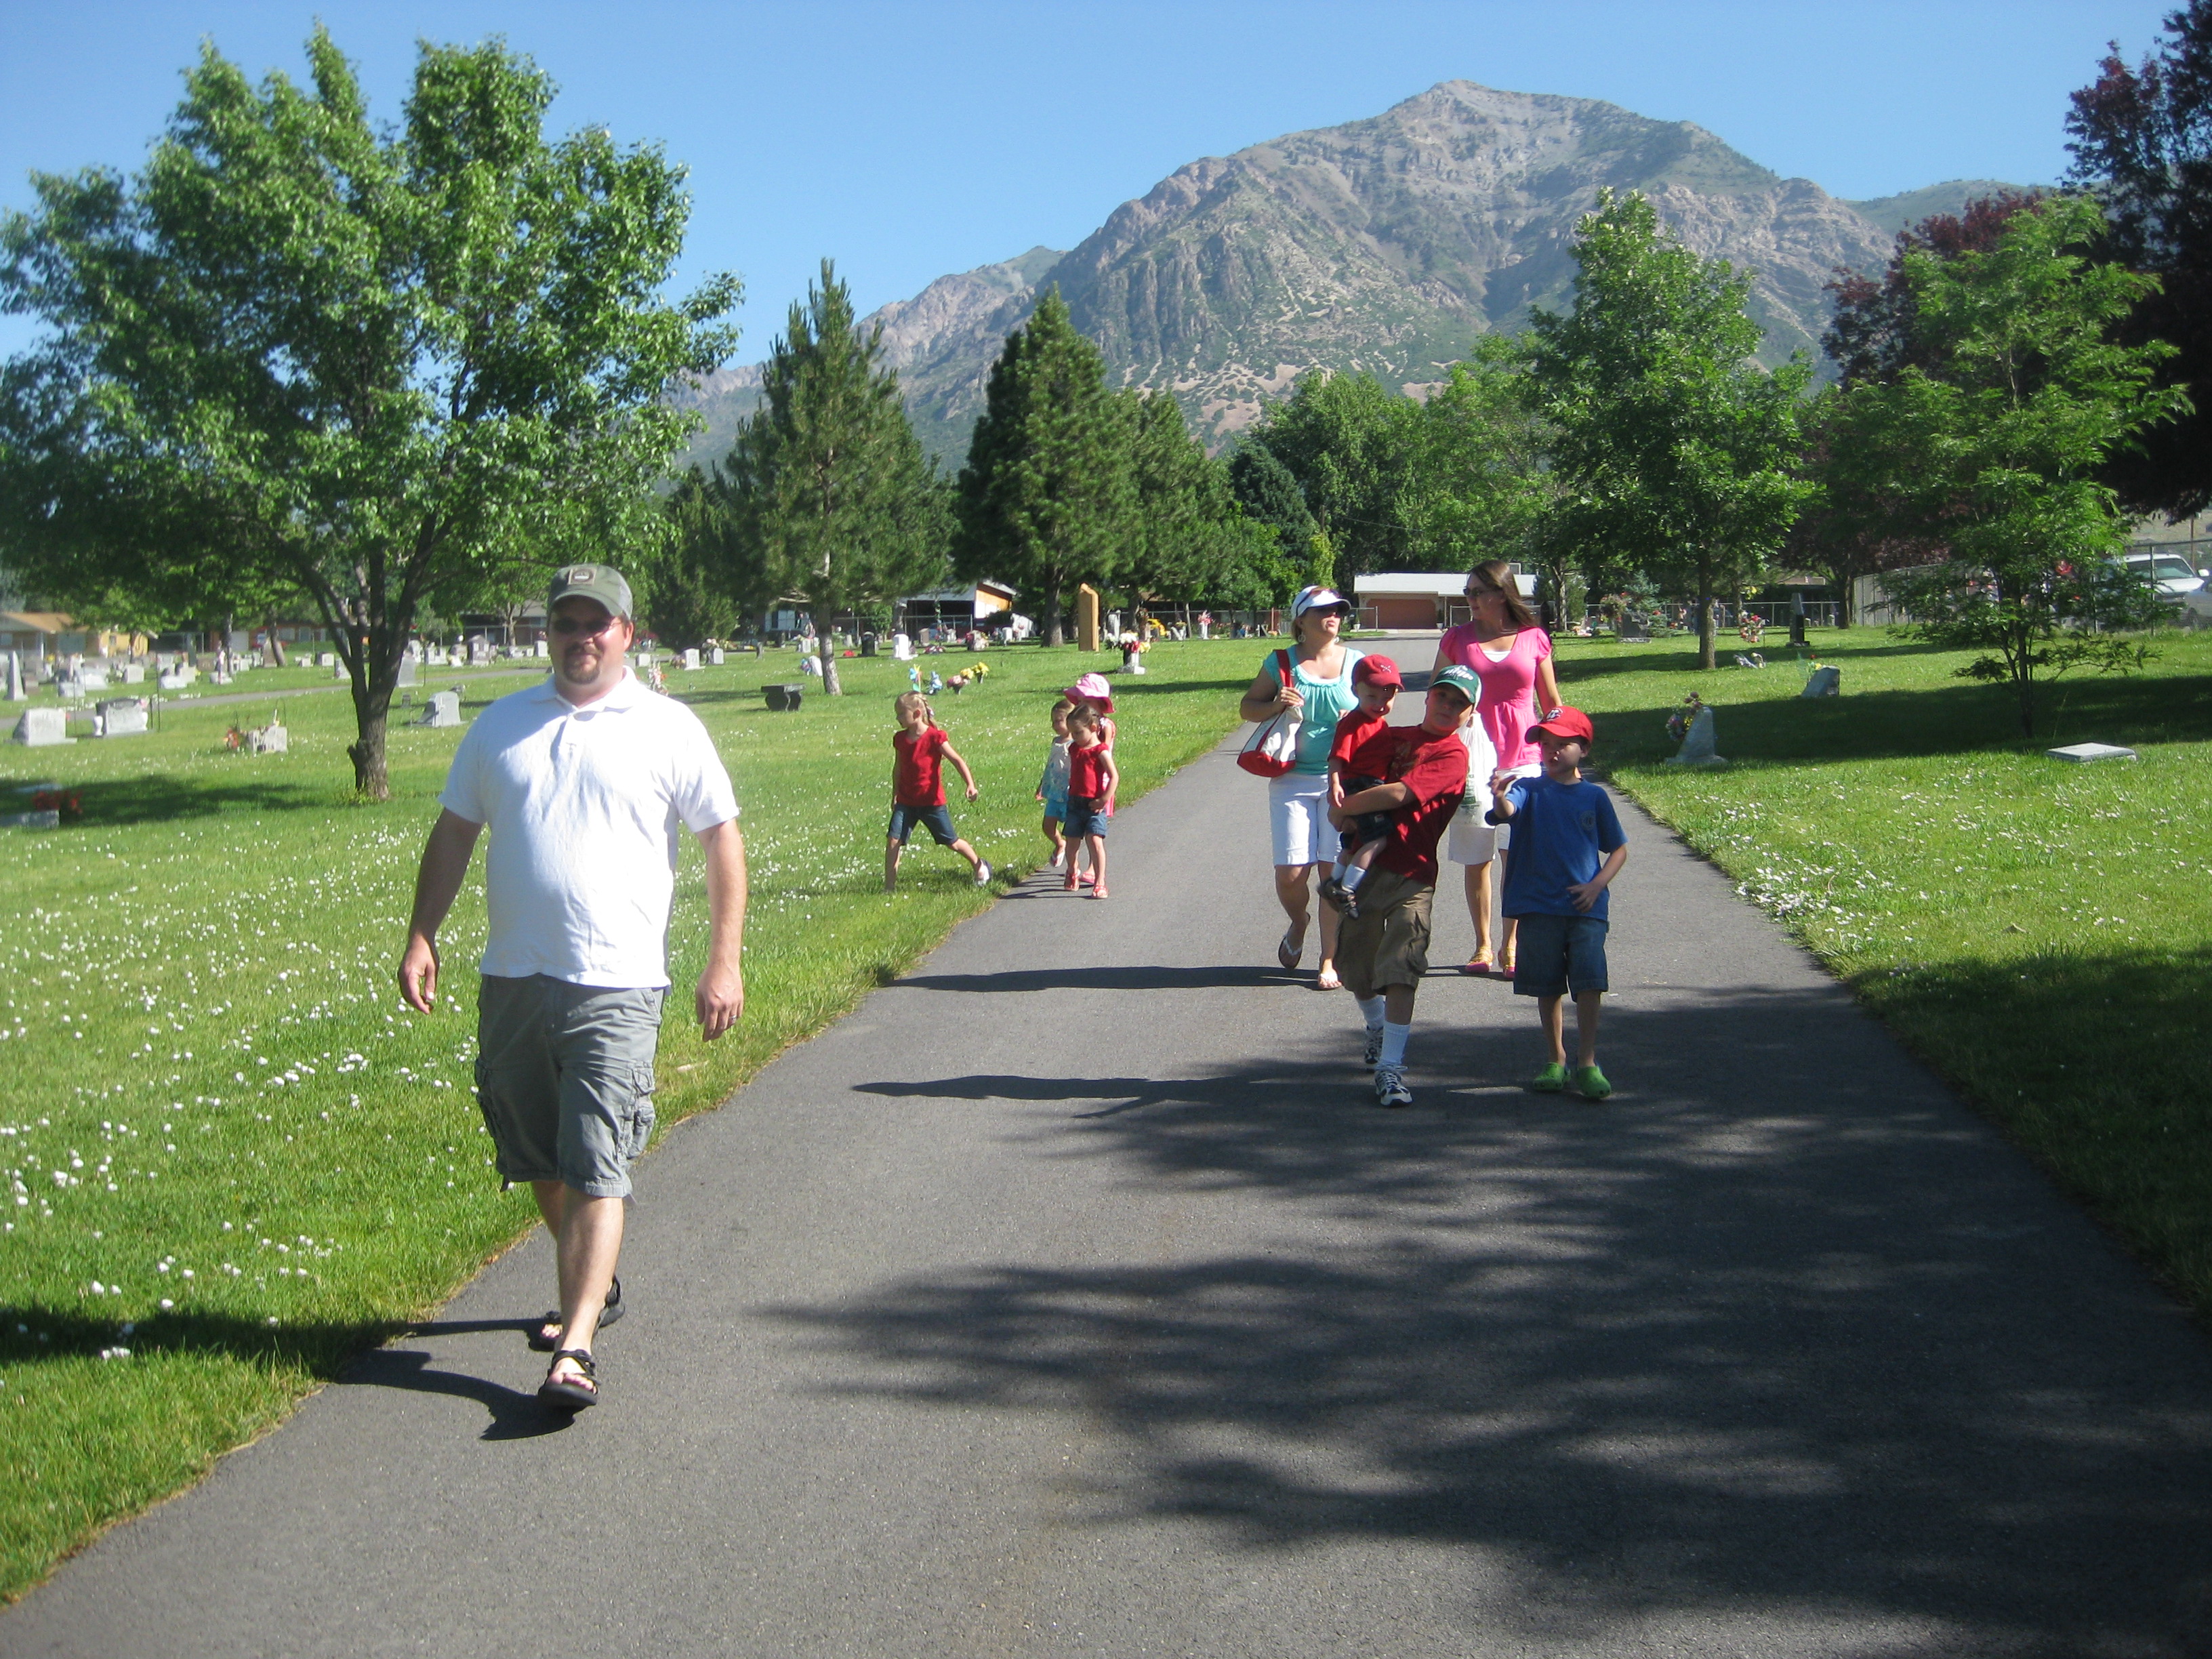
[1376,682]
[920,749]
[1092,778]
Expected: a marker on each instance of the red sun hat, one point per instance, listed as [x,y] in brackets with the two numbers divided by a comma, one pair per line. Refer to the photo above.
[1567,723]
[1377,670]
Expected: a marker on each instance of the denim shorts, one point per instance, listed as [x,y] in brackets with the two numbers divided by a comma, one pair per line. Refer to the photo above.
[937,819]
[1554,954]
[1056,806]
[564,1080]
[1085,816]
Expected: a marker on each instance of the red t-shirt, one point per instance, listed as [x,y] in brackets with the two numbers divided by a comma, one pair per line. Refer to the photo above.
[1355,726]
[1435,769]
[1086,778]
[918,768]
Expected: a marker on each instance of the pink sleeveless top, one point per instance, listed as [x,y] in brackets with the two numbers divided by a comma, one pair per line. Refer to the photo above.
[1508,708]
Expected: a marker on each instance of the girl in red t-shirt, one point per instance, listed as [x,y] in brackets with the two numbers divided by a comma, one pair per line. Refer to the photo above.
[920,749]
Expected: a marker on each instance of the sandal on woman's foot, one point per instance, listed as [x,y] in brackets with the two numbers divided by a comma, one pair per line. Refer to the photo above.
[571,1393]
[1327,980]
[1292,947]
[608,1314]
[1481,966]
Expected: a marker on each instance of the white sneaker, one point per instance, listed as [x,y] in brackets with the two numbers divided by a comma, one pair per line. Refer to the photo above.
[1373,1057]
[1390,1088]
[983,875]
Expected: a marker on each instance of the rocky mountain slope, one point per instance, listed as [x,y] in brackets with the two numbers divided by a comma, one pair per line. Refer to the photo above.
[1384,246]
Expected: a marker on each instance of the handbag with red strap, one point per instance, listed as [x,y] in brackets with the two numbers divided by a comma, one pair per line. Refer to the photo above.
[1273,748]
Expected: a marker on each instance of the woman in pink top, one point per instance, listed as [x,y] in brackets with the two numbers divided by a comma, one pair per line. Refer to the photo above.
[1511,655]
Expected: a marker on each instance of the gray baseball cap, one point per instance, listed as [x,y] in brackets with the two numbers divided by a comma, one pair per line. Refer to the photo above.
[602,582]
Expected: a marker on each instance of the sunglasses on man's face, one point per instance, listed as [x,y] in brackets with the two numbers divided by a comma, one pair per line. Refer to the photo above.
[567,625]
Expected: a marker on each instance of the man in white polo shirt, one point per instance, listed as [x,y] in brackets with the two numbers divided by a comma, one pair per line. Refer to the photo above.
[584,782]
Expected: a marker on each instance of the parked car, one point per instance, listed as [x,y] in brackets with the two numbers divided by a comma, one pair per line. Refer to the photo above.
[2173,576]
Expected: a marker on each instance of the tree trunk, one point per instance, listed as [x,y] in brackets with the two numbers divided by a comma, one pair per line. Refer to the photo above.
[275,645]
[1705,613]
[375,671]
[1052,630]
[826,653]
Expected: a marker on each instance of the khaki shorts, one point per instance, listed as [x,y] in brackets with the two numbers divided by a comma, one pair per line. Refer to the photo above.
[564,1080]
[1388,943]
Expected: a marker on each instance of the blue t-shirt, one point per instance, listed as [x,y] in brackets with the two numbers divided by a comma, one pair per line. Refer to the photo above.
[1562,833]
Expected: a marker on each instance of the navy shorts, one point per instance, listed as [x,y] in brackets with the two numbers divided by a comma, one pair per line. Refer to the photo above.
[1554,954]
[1086,815]
[937,819]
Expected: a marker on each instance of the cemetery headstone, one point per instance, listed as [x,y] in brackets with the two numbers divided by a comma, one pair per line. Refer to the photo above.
[2091,751]
[1825,681]
[326,659]
[1698,744]
[691,656]
[715,656]
[902,648]
[271,740]
[479,653]
[17,691]
[410,671]
[40,727]
[444,708]
[47,818]
[540,650]
[134,673]
[123,717]
[93,679]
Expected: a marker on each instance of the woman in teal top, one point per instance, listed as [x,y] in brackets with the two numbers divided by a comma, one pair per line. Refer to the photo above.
[1297,802]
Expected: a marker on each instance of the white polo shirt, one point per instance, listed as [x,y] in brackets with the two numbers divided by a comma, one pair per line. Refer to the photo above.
[585,808]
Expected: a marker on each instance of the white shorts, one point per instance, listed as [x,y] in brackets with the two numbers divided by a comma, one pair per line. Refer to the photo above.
[1471,841]
[1298,812]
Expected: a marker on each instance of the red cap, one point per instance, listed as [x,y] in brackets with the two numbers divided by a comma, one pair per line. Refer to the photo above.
[1377,670]
[1567,723]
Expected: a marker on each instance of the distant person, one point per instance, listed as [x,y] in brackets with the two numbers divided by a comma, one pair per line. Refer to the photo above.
[1313,677]
[1091,777]
[1567,848]
[1384,950]
[1376,681]
[1052,786]
[1504,648]
[919,750]
[583,780]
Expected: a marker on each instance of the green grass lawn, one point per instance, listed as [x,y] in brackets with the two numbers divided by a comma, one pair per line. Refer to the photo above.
[209,1099]
[2040,933]
[231,1154]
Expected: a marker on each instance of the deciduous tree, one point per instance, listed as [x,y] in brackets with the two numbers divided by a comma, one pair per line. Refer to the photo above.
[1995,453]
[379,367]
[1671,440]
[2141,141]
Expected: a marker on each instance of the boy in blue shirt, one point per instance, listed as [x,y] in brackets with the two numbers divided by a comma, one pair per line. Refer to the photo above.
[1567,848]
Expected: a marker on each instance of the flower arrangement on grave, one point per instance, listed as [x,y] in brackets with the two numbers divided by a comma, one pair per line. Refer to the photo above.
[1678,723]
[67,802]
[1751,627]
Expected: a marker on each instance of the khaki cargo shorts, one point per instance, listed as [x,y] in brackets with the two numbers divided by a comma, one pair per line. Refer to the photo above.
[1388,943]
[564,1080]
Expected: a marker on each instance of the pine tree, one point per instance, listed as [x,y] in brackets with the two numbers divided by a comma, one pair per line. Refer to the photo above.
[826,493]
[1047,498]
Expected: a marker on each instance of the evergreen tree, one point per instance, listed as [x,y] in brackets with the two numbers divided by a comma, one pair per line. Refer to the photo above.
[826,493]
[1671,439]
[1270,495]
[1192,540]
[1047,497]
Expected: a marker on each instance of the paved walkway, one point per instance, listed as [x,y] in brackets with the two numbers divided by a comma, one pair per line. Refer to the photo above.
[1070,1298]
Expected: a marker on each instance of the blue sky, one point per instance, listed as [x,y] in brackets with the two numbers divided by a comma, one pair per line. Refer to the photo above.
[911,140]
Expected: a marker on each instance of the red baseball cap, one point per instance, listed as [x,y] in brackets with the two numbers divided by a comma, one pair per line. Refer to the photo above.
[1567,723]
[1377,670]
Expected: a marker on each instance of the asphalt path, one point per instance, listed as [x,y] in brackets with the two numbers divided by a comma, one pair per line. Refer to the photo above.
[1071,1297]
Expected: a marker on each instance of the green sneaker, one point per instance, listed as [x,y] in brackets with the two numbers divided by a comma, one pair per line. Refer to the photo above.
[1592,1082]
[1551,1079]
